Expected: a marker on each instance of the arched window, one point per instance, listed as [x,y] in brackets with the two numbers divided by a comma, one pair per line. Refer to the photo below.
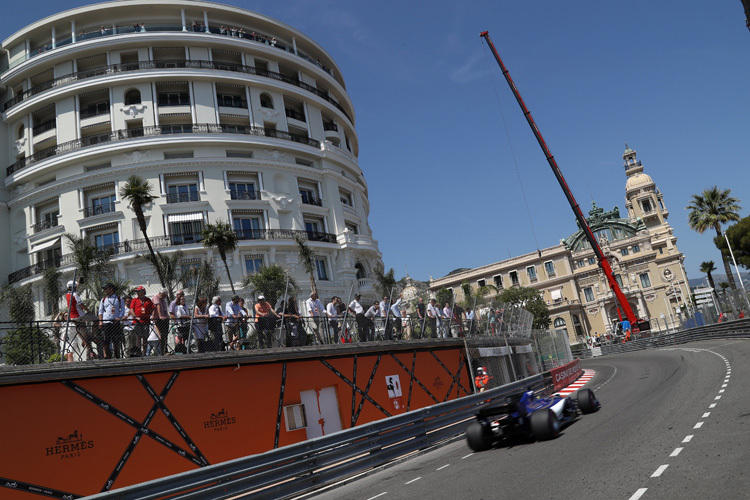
[20,132]
[559,322]
[132,97]
[361,273]
[266,101]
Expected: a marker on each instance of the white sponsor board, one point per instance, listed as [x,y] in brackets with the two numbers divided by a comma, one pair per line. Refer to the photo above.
[486,352]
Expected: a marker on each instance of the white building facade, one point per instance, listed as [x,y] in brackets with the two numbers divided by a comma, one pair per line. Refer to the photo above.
[227,113]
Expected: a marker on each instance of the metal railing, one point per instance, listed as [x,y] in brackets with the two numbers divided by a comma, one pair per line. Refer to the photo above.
[104,208]
[235,194]
[169,64]
[311,199]
[123,134]
[310,465]
[96,110]
[43,127]
[292,113]
[183,197]
[45,224]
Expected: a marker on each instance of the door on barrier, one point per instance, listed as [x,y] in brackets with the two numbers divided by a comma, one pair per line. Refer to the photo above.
[322,411]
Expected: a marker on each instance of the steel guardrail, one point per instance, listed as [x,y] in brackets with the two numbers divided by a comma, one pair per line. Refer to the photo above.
[303,467]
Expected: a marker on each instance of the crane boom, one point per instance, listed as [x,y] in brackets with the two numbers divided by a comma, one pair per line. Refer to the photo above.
[602,259]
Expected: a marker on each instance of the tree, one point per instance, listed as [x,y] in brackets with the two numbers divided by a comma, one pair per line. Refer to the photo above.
[94,268]
[271,281]
[481,292]
[444,295]
[52,288]
[708,267]
[27,343]
[710,209]
[307,258]
[204,280]
[138,193]
[724,285]
[385,283]
[221,236]
[170,268]
[531,300]
[739,237]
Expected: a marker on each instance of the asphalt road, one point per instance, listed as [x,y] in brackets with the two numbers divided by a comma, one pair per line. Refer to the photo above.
[674,424]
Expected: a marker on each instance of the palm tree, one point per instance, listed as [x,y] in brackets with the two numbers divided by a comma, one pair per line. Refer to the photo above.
[138,193]
[710,209]
[222,237]
[307,257]
[708,267]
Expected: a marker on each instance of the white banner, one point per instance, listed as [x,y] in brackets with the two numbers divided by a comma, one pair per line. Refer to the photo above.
[486,352]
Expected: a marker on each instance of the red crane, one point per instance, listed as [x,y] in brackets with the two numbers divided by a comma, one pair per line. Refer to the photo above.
[603,262]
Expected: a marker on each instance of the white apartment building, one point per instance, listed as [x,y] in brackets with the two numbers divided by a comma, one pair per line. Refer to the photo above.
[227,113]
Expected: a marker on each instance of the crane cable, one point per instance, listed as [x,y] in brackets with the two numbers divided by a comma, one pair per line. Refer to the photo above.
[512,153]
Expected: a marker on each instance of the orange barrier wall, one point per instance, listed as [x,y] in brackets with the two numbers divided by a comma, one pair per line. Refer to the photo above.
[81,435]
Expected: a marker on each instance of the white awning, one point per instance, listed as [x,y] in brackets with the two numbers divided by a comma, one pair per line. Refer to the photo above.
[42,246]
[185,217]
[556,294]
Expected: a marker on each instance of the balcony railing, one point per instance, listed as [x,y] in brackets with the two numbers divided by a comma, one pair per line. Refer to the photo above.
[235,194]
[96,110]
[45,224]
[104,208]
[120,135]
[311,199]
[169,64]
[330,126]
[293,113]
[182,197]
[43,127]
[168,241]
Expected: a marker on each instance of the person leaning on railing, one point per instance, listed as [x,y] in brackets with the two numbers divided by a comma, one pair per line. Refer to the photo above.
[143,310]
[265,322]
[215,320]
[200,323]
[111,312]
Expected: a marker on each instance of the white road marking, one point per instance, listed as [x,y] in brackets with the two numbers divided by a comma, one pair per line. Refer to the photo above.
[417,479]
[698,425]
[712,405]
[674,453]
[687,438]
[717,397]
[705,415]
[638,494]
[443,467]
[467,456]
[723,386]
[378,495]
[722,391]
[660,470]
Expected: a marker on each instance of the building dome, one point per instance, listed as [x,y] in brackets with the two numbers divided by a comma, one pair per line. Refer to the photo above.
[228,114]
[638,181]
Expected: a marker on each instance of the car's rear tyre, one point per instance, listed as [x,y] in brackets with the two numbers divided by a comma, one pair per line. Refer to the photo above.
[479,436]
[587,402]
[544,424]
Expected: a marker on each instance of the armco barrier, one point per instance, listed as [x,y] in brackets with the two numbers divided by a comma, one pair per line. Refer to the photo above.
[304,467]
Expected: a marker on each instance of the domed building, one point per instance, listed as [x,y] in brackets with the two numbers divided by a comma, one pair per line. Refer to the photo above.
[641,249]
[228,114]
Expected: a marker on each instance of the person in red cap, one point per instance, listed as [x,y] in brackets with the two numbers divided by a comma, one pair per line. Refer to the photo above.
[143,310]
[482,379]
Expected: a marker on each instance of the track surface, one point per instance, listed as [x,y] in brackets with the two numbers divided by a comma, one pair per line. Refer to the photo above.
[674,424]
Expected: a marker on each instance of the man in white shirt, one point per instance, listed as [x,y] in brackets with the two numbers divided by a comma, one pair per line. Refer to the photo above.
[471,320]
[355,307]
[372,313]
[396,313]
[447,320]
[314,310]
[333,317]
[433,313]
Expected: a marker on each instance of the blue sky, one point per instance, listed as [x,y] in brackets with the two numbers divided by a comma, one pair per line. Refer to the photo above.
[440,134]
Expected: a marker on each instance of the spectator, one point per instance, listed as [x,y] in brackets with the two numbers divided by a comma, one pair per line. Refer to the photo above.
[265,322]
[102,31]
[433,313]
[111,311]
[233,315]
[295,330]
[314,309]
[372,313]
[200,322]
[127,327]
[421,315]
[143,28]
[182,324]
[355,307]
[78,313]
[154,342]
[161,318]
[333,317]
[143,309]
[215,321]
[172,309]
[471,321]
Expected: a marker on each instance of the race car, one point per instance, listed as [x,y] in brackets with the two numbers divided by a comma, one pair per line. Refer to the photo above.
[535,417]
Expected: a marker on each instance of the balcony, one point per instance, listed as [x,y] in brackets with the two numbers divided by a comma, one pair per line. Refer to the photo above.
[147,65]
[311,199]
[295,115]
[139,246]
[102,209]
[182,197]
[330,127]
[45,224]
[99,109]
[44,127]
[235,194]
[125,134]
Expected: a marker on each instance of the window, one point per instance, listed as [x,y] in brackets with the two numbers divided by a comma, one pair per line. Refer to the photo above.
[303,162]
[646,205]
[102,204]
[346,198]
[181,193]
[531,271]
[549,268]
[231,101]
[559,322]
[636,248]
[645,280]
[266,101]
[618,279]
[624,252]
[308,190]
[186,232]
[247,227]
[513,277]
[481,283]
[107,241]
[498,281]
[588,293]
[132,97]
[173,99]
[579,264]
[253,264]
[352,227]
[242,191]
[592,261]
[320,267]
[361,272]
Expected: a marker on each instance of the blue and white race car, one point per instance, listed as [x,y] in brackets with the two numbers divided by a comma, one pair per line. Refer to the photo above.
[528,415]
